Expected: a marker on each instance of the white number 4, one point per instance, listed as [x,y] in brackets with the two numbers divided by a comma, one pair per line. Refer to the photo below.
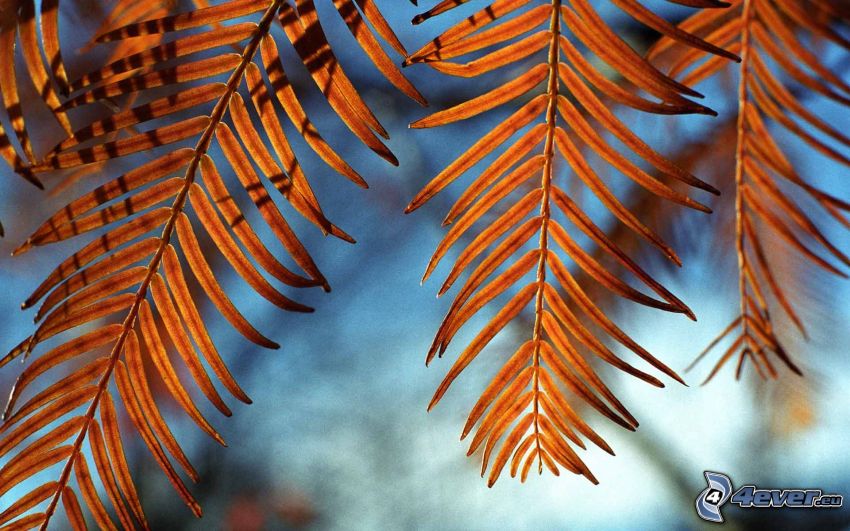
[713,497]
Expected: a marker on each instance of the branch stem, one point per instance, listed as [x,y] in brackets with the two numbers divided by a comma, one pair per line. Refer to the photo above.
[545,213]
[740,159]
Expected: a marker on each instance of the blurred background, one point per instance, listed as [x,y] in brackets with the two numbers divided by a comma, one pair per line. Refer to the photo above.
[338,436]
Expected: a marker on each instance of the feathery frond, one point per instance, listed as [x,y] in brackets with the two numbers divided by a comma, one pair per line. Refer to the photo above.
[775,39]
[526,405]
[127,292]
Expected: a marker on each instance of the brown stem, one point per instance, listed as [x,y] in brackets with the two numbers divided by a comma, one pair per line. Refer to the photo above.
[545,212]
[740,156]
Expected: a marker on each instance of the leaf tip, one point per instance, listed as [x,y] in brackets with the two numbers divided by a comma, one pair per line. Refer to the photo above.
[24,247]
